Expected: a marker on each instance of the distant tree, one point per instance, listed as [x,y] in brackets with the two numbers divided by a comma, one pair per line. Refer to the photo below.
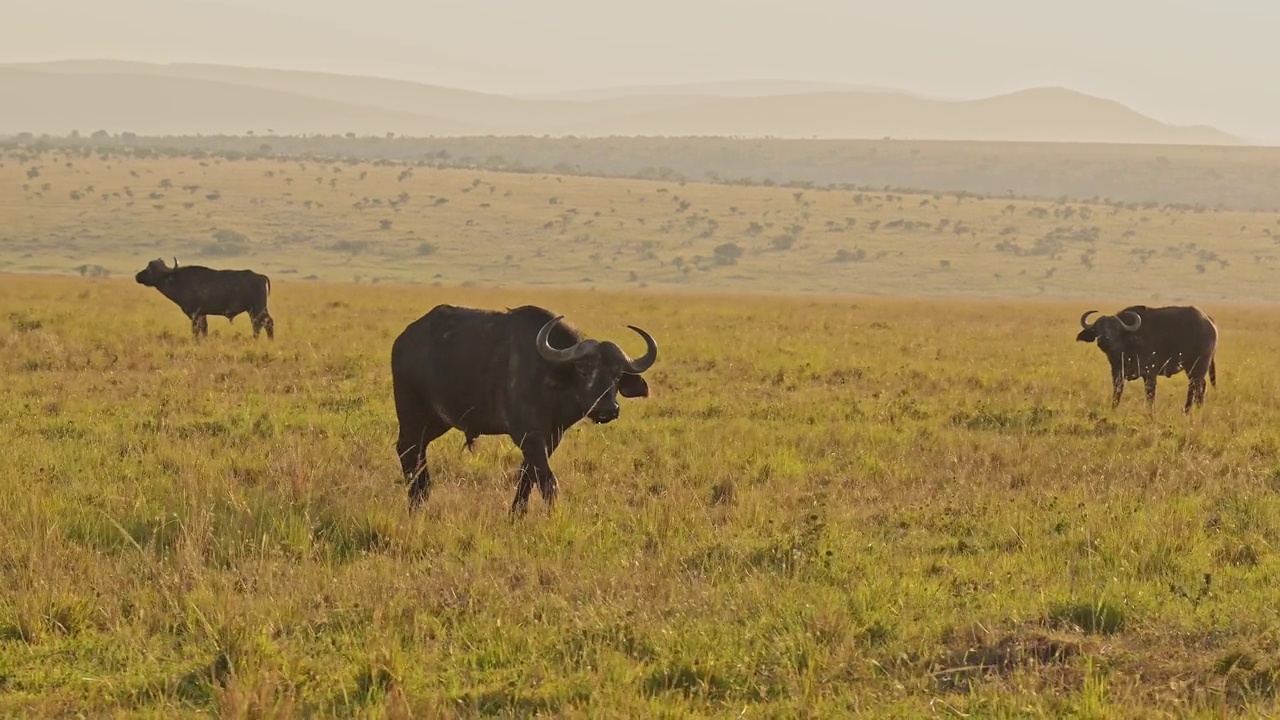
[727,253]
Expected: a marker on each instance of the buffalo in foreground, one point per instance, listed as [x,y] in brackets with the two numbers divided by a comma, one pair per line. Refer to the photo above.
[520,373]
[202,291]
[1144,342]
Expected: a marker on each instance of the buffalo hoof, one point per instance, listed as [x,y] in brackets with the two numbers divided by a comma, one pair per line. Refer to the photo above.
[418,495]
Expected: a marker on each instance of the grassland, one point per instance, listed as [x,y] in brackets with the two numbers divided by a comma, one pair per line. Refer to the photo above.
[1236,178]
[915,504]
[108,213]
[861,507]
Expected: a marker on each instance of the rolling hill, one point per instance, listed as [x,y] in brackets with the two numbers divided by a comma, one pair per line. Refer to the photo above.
[58,103]
[186,99]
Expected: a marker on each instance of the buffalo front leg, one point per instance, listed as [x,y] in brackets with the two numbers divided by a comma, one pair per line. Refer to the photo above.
[1117,389]
[199,325]
[534,468]
[1149,385]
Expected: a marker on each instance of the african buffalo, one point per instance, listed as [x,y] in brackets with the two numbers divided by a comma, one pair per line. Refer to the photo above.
[1143,342]
[202,291]
[519,373]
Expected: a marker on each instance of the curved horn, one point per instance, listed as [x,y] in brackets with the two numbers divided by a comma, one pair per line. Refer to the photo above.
[555,355]
[1086,325]
[639,365]
[175,263]
[1137,322]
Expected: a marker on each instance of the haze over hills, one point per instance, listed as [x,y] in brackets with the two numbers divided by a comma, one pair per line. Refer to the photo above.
[188,99]
[728,88]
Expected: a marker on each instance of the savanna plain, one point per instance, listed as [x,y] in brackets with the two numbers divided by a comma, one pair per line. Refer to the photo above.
[911,504]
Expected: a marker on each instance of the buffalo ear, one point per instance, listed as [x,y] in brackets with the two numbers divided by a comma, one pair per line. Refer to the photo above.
[1087,336]
[632,386]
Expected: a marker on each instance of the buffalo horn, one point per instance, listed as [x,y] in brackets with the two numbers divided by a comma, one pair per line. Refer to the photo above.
[1086,325]
[1137,322]
[563,355]
[639,365]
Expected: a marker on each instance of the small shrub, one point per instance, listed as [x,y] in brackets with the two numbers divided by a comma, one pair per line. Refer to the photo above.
[782,242]
[727,253]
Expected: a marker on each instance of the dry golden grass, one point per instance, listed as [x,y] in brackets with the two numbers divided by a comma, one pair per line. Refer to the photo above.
[64,212]
[866,507]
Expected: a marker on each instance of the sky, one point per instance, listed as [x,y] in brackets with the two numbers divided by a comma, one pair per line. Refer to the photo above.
[1178,61]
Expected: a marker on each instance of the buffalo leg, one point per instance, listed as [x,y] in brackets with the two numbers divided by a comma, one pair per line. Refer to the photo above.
[1149,384]
[552,443]
[547,485]
[1117,390]
[263,321]
[1195,393]
[199,325]
[534,468]
[418,427]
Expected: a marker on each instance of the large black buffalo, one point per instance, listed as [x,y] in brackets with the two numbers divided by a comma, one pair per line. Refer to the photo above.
[202,291]
[520,373]
[1144,342]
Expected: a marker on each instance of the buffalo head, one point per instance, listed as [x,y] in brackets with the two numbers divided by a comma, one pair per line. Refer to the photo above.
[593,373]
[155,272]
[1108,331]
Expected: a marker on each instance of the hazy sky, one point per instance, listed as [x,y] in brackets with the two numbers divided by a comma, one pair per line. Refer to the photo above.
[1176,60]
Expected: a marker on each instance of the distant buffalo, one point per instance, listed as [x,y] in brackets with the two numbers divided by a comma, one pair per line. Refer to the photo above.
[1143,342]
[202,291]
[520,373]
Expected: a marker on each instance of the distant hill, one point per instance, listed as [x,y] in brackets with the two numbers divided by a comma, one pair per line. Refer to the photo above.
[727,88]
[494,113]
[58,103]
[1041,114]
[185,99]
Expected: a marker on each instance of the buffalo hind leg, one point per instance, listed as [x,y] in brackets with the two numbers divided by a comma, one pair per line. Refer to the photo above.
[534,468]
[263,321]
[418,427]
[1195,393]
